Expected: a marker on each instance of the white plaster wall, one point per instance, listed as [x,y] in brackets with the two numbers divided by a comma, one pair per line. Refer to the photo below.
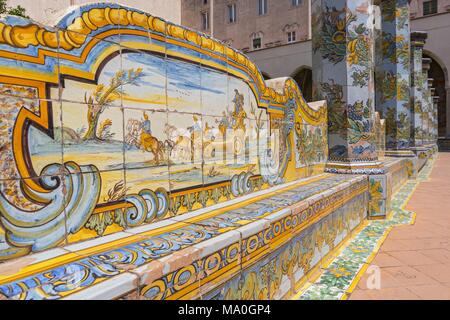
[283,61]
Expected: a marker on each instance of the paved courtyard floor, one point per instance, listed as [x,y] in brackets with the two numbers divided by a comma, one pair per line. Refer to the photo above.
[406,256]
[414,260]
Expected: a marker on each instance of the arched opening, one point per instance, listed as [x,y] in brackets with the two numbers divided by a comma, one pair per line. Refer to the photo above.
[439,76]
[303,77]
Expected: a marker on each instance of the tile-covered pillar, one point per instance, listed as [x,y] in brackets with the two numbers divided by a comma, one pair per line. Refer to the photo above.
[418,39]
[430,96]
[392,74]
[425,109]
[426,100]
[435,118]
[342,41]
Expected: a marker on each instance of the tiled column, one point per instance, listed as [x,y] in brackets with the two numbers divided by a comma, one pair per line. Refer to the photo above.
[426,100]
[342,40]
[417,84]
[430,96]
[425,109]
[432,123]
[392,81]
[435,118]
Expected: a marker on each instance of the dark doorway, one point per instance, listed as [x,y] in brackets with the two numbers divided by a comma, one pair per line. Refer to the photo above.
[303,77]
[437,74]
[265,76]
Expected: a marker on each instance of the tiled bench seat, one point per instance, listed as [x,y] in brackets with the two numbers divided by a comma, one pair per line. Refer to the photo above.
[383,186]
[254,247]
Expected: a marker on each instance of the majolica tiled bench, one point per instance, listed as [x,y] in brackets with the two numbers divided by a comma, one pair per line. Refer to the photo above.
[260,246]
[383,186]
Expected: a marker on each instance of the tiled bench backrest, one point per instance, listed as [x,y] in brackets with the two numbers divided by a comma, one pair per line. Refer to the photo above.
[113,118]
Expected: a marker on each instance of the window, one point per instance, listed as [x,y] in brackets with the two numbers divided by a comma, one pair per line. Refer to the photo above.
[292,36]
[296,3]
[291,31]
[429,7]
[228,42]
[205,21]
[262,7]
[256,43]
[256,40]
[232,13]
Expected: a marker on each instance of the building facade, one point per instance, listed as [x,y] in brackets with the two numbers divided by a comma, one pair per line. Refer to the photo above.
[250,25]
[264,30]
[276,33]
[45,11]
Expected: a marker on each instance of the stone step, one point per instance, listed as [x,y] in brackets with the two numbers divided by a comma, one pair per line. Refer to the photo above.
[444,144]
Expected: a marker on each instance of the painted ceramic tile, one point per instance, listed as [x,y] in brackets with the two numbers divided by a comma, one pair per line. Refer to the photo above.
[173,47]
[104,188]
[251,284]
[105,81]
[146,156]
[146,138]
[185,165]
[216,57]
[12,65]
[125,162]
[147,178]
[238,99]
[256,281]
[230,290]
[93,134]
[279,146]
[341,274]
[310,148]
[142,38]
[221,267]
[149,72]
[64,208]
[182,283]
[308,253]
[15,238]
[419,86]
[214,92]
[44,146]
[215,167]
[342,37]
[183,86]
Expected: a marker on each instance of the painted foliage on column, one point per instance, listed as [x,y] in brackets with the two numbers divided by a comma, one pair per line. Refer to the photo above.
[425,103]
[435,118]
[428,103]
[392,72]
[113,118]
[417,89]
[342,74]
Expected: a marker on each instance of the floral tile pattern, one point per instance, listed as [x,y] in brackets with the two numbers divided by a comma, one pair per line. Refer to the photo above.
[392,71]
[342,39]
[340,274]
[216,240]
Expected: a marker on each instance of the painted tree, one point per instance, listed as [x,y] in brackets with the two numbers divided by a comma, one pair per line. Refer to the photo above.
[104,95]
[15,11]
